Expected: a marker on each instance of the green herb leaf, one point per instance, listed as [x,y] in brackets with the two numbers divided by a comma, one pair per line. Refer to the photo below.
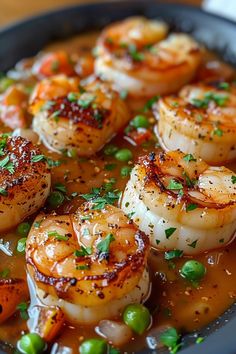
[57,236]
[22,307]
[173,254]
[233,179]
[170,231]
[7,165]
[60,187]
[3,192]
[5,273]
[135,55]
[85,100]
[82,267]
[83,251]
[199,340]
[193,244]
[189,157]
[191,207]
[174,185]
[104,245]
[148,105]
[38,158]
[170,338]
[218,132]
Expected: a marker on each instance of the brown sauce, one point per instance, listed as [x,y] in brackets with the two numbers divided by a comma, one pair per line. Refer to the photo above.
[173,301]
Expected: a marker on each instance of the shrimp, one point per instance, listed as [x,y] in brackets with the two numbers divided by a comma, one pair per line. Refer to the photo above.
[136,56]
[13,104]
[12,292]
[50,64]
[67,116]
[25,180]
[200,121]
[91,264]
[181,202]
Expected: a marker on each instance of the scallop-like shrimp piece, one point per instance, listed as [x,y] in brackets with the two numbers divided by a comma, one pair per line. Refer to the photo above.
[12,292]
[200,121]
[181,202]
[25,180]
[67,116]
[136,56]
[91,264]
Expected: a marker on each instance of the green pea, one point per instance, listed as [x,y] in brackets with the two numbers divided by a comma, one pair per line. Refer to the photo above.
[92,346]
[55,199]
[123,155]
[140,121]
[137,317]
[23,229]
[125,171]
[110,150]
[193,270]
[31,343]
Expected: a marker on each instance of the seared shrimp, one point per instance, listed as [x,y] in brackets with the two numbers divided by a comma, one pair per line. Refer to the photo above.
[90,264]
[24,180]
[67,116]
[200,121]
[181,202]
[136,57]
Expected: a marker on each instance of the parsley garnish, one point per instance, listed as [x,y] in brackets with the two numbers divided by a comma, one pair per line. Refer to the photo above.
[22,307]
[98,200]
[38,158]
[82,267]
[219,99]
[191,207]
[193,244]
[21,244]
[86,100]
[135,55]
[60,187]
[218,132]
[7,165]
[189,157]
[199,340]
[57,236]
[104,245]
[5,273]
[84,251]
[148,105]
[233,179]
[170,338]
[174,185]
[170,231]
[3,192]
[173,254]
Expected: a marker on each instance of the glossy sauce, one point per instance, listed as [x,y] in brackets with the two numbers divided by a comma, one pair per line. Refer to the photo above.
[173,300]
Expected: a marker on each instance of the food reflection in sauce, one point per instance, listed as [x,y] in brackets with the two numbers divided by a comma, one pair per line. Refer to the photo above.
[176,302]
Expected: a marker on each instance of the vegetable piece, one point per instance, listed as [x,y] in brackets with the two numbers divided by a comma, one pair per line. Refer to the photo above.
[92,346]
[23,229]
[31,343]
[140,121]
[137,317]
[123,155]
[193,270]
[55,199]
[49,322]
[12,293]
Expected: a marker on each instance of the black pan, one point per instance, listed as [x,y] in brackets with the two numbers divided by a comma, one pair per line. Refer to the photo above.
[30,36]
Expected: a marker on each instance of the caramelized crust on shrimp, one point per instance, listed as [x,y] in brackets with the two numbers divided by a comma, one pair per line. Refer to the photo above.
[136,57]
[200,121]
[91,264]
[67,116]
[24,184]
[181,202]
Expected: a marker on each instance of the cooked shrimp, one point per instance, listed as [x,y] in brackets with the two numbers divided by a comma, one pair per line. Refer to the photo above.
[12,292]
[181,202]
[200,121]
[136,56]
[13,104]
[66,118]
[24,184]
[54,63]
[90,264]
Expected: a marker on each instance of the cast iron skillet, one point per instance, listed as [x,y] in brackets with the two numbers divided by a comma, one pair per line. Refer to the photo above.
[30,36]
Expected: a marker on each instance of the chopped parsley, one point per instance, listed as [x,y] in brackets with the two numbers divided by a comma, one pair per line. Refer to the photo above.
[5,164]
[22,307]
[189,157]
[135,55]
[5,273]
[219,99]
[218,132]
[193,244]
[174,185]
[233,179]
[104,245]
[100,200]
[38,158]
[57,236]
[3,192]
[110,166]
[170,231]
[191,207]
[199,340]
[82,267]
[60,187]
[169,255]
[170,338]
[86,100]
[148,105]
[83,251]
